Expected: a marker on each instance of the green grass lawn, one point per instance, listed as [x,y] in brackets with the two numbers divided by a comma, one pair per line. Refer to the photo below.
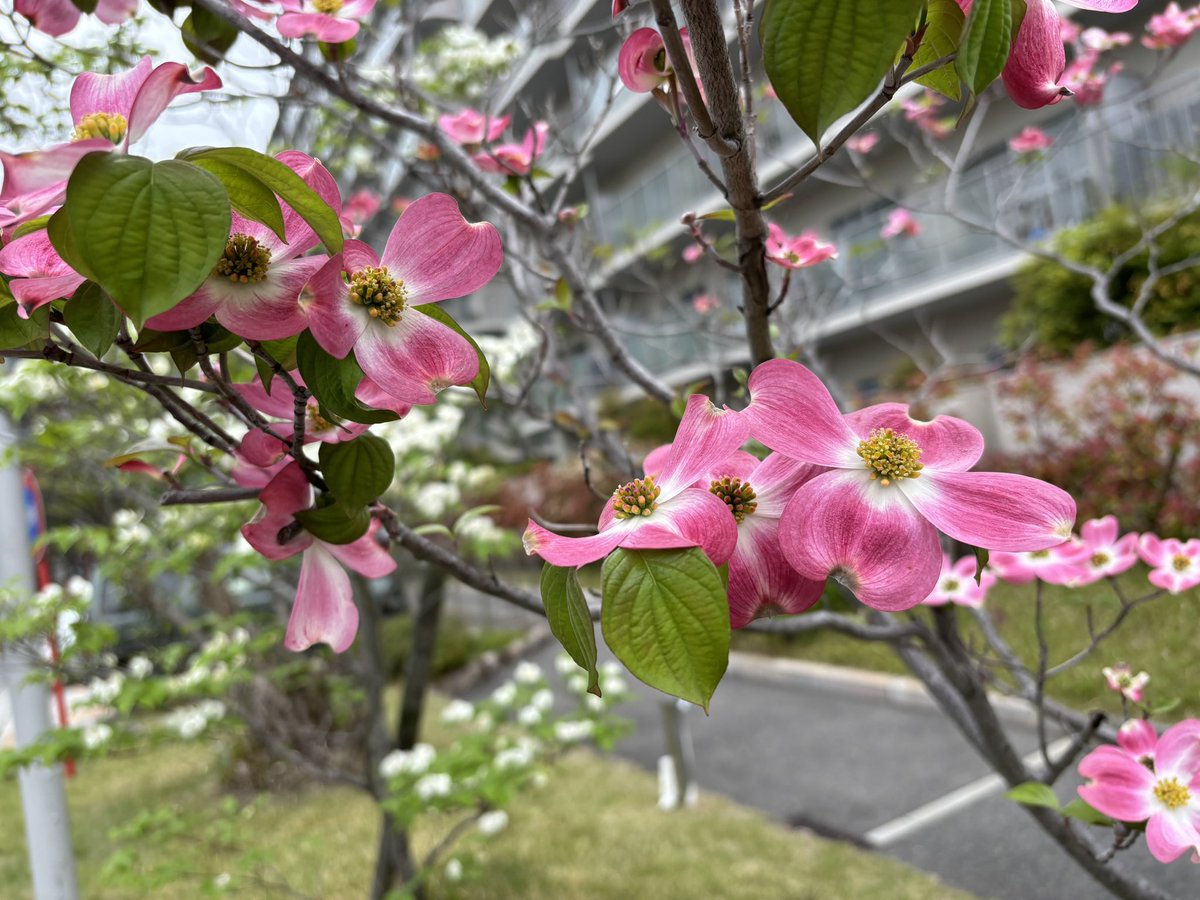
[1161,637]
[593,832]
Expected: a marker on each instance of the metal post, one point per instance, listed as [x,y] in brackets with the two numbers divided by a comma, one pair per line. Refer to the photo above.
[678,738]
[43,798]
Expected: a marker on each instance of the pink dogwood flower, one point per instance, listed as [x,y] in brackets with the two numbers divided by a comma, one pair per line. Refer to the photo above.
[360,208]
[693,253]
[761,583]
[705,304]
[900,221]
[329,21]
[1121,680]
[642,62]
[254,290]
[864,143]
[37,274]
[1055,565]
[1100,553]
[797,252]
[1166,798]
[957,584]
[110,112]
[873,519]
[363,302]
[1084,82]
[1100,40]
[1031,140]
[324,610]
[57,17]
[470,128]
[1175,564]
[1172,27]
[515,159]
[1138,738]
[619,6]
[664,511]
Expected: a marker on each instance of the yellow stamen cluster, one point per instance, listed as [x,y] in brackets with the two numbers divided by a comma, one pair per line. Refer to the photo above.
[1099,559]
[382,294]
[327,7]
[313,420]
[1171,794]
[890,456]
[1181,563]
[950,585]
[244,261]
[637,498]
[101,125]
[738,496]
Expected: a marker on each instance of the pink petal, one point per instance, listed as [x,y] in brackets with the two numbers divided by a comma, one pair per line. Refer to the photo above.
[38,179]
[792,412]
[279,404]
[1153,549]
[114,12]
[366,556]
[700,518]
[33,293]
[260,449]
[110,94]
[638,61]
[267,310]
[570,551]
[165,83]
[1108,6]
[324,28]
[1177,754]
[287,494]
[52,17]
[1036,63]
[357,9]
[776,481]
[996,510]
[334,320]
[1138,738]
[300,236]
[324,610]
[246,474]
[440,255]
[187,313]
[1121,788]
[1099,532]
[415,358]
[869,537]
[738,464]
[371,394]
[945,442]
[761,582]
[1170,834]
[705,438]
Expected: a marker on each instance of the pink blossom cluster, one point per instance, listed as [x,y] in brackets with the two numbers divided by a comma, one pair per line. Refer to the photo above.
[859,497]
[477,133]
[925,112]
[900,222]
[1100,551]
[799,252]
[1172,27]
[1031,140]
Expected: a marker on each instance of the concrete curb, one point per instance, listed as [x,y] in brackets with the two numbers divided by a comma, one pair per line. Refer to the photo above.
[899,690]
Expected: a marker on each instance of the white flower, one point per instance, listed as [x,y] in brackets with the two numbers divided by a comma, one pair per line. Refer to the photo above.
[454,869]
[505,694]
[49,595]
[140,667]
[79,588]
[434,785]
[493,822]
[539,780]
[572,732]
[594,703]
[485,722]
[613,685]
[517,757]
[529,716]
[189,722]
[211,709]
[543,700]
[458,711]
[564,665]
[239,636]
[611,667]
[577,684]
[528,672]
[222,881]
[96,736]
[407,762]
[106,690]
[124,519]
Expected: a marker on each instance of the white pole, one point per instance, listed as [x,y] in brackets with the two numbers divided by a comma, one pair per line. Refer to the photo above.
[43,797]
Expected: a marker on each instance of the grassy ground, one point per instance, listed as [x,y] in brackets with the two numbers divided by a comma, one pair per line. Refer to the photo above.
[1160,637]
[592,832]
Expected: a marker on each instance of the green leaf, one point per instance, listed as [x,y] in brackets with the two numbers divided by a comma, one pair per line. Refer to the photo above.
[30,227]
[84,6]
[336,524]
[283,181]
[1080,809]
[333,381]
[825,58]
[283,351]
[666,617]
[207,36]
[986,39]
[148,233]
[92,318]
[944,29]
[62,238]
[1034,793]
[981,560]
[151,341]
[569,618]
[358,471]
[720,215]
[1165,707]
[17,332]
[249,196]
[481,381]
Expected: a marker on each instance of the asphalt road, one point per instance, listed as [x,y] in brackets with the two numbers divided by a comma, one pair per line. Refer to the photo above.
[867,768]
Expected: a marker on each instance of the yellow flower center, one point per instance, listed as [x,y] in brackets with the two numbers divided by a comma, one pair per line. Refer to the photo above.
[1099,559]
[890,456]
[244,261]
[738,496]
[382,294]
[950,585]
[1181,563]
[327,7]
[637,498]
[1171,793]
[101,125]
[313,420]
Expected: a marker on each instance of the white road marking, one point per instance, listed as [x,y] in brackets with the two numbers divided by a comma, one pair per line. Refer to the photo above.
[948,804]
